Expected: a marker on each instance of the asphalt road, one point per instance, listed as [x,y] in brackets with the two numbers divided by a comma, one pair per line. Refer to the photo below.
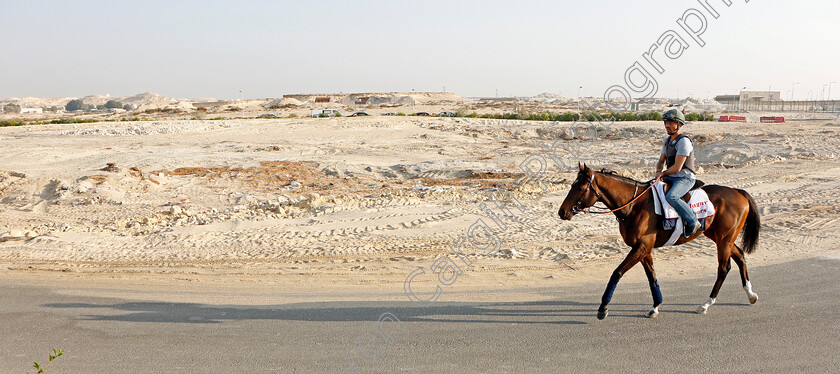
[794,327]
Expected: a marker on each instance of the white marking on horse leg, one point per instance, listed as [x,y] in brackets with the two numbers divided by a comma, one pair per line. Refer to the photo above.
[705,307]
[750,294]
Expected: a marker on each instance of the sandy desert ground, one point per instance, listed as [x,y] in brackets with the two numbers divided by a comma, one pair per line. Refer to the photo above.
[320,204]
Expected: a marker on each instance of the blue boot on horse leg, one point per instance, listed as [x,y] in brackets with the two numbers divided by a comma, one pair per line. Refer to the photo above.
[635,255]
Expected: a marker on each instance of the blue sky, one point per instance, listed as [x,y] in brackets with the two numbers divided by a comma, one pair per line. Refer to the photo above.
[215,49]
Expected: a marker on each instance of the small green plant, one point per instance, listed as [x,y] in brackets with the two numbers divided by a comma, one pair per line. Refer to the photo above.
[61,121]
[56,353]
[12,123]
[401,114]
[655,116]
[692,116]
[549,116]
[293,115]
[591,117]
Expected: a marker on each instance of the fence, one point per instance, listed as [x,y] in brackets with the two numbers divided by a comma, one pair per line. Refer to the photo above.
[785,106]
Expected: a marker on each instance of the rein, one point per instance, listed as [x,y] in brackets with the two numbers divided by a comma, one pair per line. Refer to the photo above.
[635,197]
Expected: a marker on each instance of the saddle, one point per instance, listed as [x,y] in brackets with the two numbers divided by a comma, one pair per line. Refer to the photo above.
[700,205]
[697,184]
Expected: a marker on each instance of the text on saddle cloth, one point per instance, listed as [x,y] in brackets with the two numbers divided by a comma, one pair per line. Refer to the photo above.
[699,203]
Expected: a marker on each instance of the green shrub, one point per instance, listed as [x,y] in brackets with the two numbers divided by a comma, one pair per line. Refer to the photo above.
[113,104]
[11,108]
[74,105]
[61,121]
[591,117]
[12,123]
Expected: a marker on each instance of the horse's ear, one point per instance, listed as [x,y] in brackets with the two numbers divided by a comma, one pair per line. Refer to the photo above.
[580,166]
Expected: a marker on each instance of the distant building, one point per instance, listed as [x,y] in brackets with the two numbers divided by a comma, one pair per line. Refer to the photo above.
[750,96]
[727,99]
[751,100]
[31,110]
[760,96]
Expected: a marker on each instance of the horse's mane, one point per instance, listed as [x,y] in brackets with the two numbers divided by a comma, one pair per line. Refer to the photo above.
[614,174]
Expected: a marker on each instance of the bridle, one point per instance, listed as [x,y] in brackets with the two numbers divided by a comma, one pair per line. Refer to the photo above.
[590,184]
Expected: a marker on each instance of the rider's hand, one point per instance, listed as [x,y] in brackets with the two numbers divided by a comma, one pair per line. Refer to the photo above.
[659,176]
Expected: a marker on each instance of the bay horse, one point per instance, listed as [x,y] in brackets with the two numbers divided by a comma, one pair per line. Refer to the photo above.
[632,203]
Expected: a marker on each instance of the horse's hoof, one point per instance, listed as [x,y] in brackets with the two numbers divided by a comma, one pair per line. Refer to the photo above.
[753,298]
[702,310]
[603,314]
[653,313]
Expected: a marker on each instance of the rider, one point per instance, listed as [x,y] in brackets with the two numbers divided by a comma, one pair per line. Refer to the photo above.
[678,155]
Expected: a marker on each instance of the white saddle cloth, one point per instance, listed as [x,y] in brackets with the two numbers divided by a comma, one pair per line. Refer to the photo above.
[699,203]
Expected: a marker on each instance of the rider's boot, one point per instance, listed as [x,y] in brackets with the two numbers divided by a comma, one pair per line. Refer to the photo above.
[691,230]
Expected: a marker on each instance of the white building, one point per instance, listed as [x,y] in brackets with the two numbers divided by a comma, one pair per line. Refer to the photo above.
[31,110]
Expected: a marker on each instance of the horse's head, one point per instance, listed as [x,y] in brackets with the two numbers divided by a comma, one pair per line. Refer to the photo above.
[582,195]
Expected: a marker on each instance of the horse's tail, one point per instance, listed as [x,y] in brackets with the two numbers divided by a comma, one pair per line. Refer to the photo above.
[753,225]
